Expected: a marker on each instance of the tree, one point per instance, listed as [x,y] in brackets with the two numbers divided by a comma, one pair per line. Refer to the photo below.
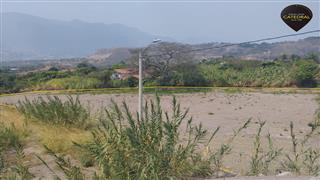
[132,81]
[53,69]
[84,65]
[104,76]
[284,57]
[161,58]
[295,57]
[304,73]
[85,68]
[169,79]
[314,56]
[189,75]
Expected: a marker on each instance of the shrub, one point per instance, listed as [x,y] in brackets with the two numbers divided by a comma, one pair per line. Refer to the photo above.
[85,68]
[8,83]
[193,79]
[125,148]
[54,111]
[304,73]
[132,81]
[8,139]
[273,75]
[104,76]
[170,78]
[189,75]
[11,140]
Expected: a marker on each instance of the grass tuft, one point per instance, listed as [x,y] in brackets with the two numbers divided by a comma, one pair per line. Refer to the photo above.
[53,110]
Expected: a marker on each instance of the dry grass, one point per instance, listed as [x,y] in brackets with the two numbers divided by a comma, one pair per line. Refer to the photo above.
[60,139]
[57,138]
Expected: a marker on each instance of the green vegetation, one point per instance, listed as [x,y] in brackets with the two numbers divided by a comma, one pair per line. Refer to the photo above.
[8,82]
[300,73]
[54,111]
[10,140]
[153,148]
[303,73]
[157,147]
[161,145]
[71,83]
[304,159]
[223,72]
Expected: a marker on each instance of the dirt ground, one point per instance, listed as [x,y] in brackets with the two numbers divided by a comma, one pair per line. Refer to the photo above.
[229,111]
[220,109]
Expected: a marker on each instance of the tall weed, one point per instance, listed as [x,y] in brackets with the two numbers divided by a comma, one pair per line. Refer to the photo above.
[10,140]
[261,159]
[53,110]
[154,148]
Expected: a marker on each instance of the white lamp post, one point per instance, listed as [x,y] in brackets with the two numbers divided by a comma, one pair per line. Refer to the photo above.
[140,105]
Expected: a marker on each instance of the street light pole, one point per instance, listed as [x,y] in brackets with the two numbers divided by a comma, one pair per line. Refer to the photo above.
[140,103]
[140,87]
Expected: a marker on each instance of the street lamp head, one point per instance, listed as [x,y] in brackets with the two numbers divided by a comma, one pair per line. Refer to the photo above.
[156,40]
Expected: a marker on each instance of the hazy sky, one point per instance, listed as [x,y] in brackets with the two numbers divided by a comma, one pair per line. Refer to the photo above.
[184,21]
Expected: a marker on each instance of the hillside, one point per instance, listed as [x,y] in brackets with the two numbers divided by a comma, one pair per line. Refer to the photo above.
[262,51]
[48,39]
[52,39]
[109,56]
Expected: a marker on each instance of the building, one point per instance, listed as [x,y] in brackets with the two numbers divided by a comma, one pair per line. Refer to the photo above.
[124,73]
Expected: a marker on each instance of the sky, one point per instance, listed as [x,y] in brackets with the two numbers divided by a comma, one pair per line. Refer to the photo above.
[185,21]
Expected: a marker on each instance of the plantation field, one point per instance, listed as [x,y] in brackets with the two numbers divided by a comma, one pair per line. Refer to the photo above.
[220,109]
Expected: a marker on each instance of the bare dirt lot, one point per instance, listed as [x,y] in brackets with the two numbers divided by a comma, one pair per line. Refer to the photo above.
[221,109]
[229,111]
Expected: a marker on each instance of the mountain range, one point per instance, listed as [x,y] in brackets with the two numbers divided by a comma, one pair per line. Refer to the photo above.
[27,37]
[31,37]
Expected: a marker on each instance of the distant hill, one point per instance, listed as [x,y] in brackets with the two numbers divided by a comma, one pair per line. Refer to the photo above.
[109,56]
[263,51]
[31,37]
[27,37]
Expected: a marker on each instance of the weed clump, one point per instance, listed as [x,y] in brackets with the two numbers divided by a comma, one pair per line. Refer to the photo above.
[124,147]
[53,110]
[261,159]
[10,140]
[8,137]
[302,159]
